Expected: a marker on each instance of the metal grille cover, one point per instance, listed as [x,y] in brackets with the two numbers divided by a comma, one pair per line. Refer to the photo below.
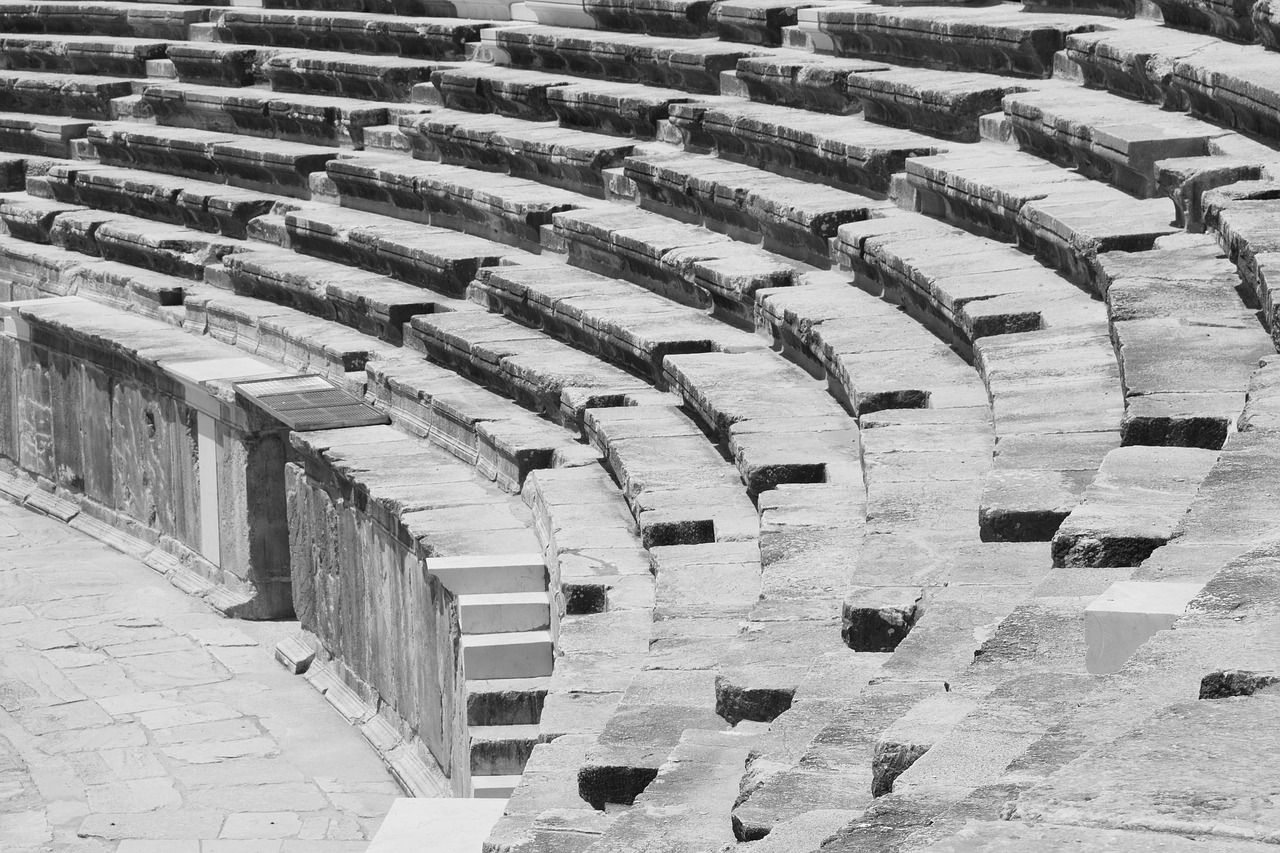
[309,402]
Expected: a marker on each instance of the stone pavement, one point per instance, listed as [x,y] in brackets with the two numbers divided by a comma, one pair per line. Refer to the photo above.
[134,719]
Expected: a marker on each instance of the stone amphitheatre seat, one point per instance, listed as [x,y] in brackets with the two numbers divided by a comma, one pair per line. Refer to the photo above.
[81,54]
[354,32]
[134,20]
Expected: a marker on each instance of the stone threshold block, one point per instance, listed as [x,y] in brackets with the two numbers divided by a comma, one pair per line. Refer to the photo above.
[1127,615]
[178,201]
[136,20]
[993,39]
[692,65]
[1132,507]
[621,322]
[536,371]
[424,256]
[353,32]
[794,218]
[571,159]
[850,152]
[1107,138]
[455,826]
[81,54]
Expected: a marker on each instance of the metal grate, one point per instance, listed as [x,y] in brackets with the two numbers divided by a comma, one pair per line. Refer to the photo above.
[309,402]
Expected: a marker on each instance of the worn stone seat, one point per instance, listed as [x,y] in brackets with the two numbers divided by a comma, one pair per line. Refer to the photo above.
[81,54]
[993,39]
[1108,138]
[692,65]
[1245,218]
[314,119]
[354,32]
[794,218]
[180,201]
[1229,19]
[422,255]
[217,64]
[1186,341]
[371,303]
[483,88]
[499,10]
[1066,219]
[681,261]
[506,209]
[268,164]
[48,136]
[761,22]
[679,18]
[378,78]
[849,152]
[964,285]
[73,95]
[809,81]
[134,20]
[540,373]
[619,321]
[572,159]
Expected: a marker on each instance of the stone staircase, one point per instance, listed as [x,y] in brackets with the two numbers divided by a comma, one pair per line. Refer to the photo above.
[812,339]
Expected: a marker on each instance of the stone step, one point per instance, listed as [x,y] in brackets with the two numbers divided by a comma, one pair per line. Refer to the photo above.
[1218,81]
[1108,138]
[680,261]
[525,654]
[704,767]
[179,201]
[28,218]
[792,217]
[1187,344]
[48,93]
[421,255]
[505,209]
[501,750]
[498,10]
[539,373]
[41,136]
[378,78]
[135,20]
[571,159]
[549,785]
[681,489]
[874,356]
[269,165]
[1132,507]
[1065,218]
[313,119]
[994,39]
[506,701]
[81,54]
[349,32]
[1058,406]
[490,574]
[371,303]
[944,103]
[847,151]
[456,827]
[494,787]
[618,321]
[1245,218]
[482,88]
[780,425]
[692,65]
[972,288]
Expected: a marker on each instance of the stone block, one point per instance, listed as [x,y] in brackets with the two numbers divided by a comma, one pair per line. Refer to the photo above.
[1127,615]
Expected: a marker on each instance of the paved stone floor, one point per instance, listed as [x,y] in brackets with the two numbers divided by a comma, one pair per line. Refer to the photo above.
[134,719]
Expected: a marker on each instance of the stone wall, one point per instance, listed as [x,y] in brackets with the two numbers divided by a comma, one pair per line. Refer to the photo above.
[113,431]
[361,587]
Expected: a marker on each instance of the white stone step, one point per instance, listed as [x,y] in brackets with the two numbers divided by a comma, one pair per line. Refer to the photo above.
[504,612]
[493,787]
[439,825]
[522,654]
[495,573]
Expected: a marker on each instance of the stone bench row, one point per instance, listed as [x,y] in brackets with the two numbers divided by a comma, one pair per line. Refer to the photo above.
[62,95]
[40,136]
[1245,218]
[1066,219]
[134,20]
[326,120]
[945,103]
[617,109]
